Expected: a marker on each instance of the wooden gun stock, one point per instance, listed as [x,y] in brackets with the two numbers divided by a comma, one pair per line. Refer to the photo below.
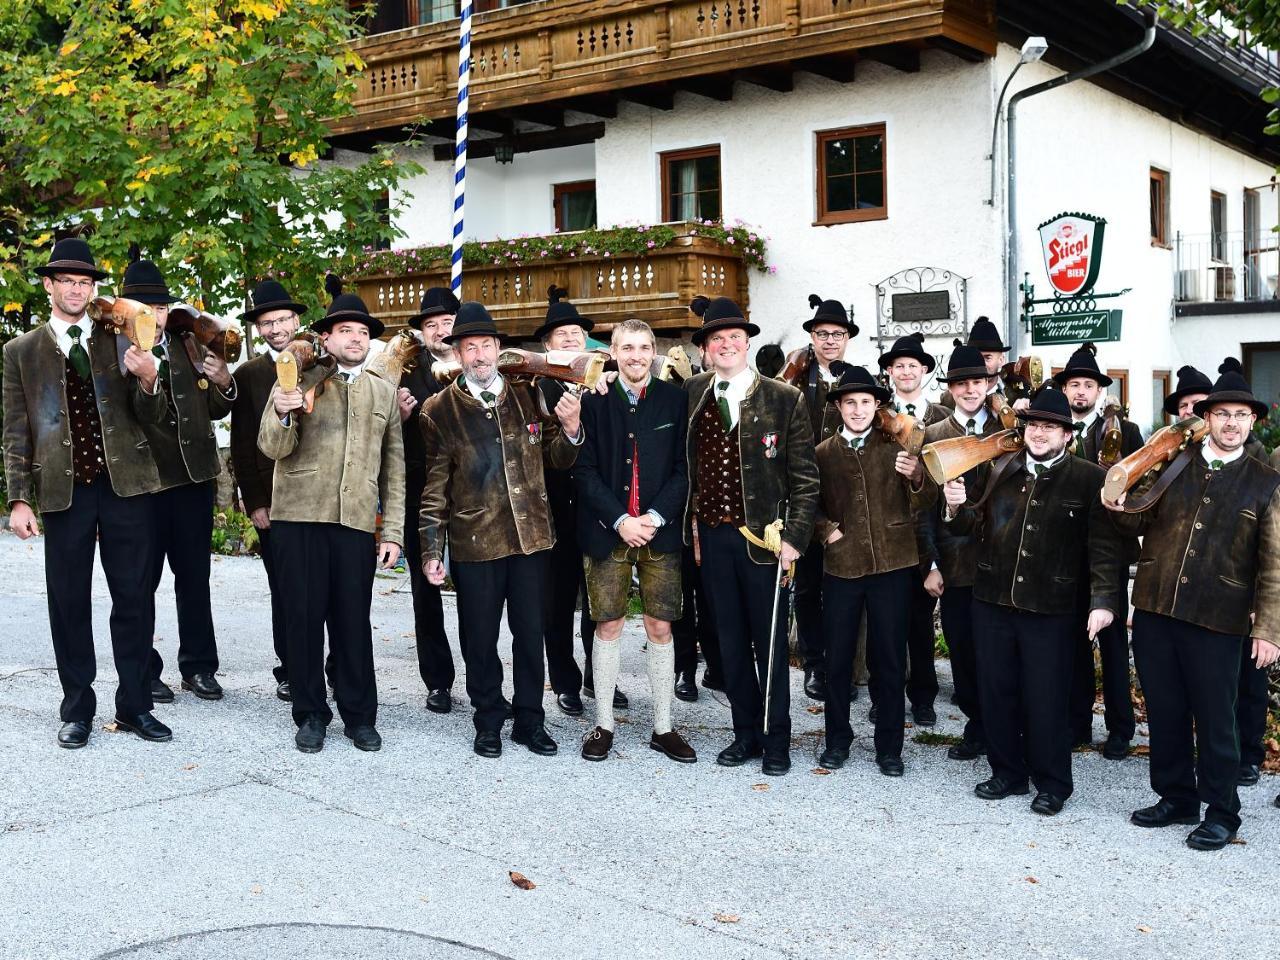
[797,366]
[298,356]
[219,337]
[903,428]
[1022,377]
[1109,454]
[949,459]
[568,366]
[398,358]
[1160,448]
[134,320]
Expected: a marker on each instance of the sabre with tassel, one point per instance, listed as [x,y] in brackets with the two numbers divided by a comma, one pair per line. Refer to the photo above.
[783,580]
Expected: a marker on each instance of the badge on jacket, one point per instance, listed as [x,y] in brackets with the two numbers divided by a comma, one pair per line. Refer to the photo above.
[770,441]
[535,431]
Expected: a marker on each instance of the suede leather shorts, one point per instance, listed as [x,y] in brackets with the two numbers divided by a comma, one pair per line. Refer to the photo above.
[609,583]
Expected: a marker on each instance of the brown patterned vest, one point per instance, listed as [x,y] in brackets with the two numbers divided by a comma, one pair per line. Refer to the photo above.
[87,456]
[717,496]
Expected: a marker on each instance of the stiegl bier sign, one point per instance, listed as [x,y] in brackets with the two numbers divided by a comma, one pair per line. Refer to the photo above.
[1072,244]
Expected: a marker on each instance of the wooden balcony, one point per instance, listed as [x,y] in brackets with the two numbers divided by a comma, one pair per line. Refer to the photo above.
[532,61]
[655,287]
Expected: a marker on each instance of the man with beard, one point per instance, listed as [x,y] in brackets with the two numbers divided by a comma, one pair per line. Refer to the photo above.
[1083,383]
[486,442]
[1208,584]
[1043,538]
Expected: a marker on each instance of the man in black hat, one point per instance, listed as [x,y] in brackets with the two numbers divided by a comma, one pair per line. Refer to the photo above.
[1083,383]
[986,339]
[869,510]
[951,556]
[752,467]
[336,464]
[275,316]
[434,321]
[486,444]
[198,391]
[1208,584]
[73,435]
[830,332]
[1043,538]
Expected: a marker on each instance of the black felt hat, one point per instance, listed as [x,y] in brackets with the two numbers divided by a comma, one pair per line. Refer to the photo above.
[718,314]
[829,311]
[473,320]
[144,282]
[910,347]
[1083,363]
[72,255]
[267,296]
[965,363]
[1231,388]
[1050,406]
[1190,380]
[985,337]
[437,301]
[346,307]
[561,313]
[855,379]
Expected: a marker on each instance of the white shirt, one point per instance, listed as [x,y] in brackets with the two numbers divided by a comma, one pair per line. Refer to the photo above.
[979,419]
[1210,455]
[495,388]
[826,374]
[1031,462]
[1087,421]
[849,436]
[351,372]
[735,393]
[63,338]
[920,404]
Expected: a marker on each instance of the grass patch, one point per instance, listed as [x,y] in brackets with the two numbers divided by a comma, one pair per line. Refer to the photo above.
[929,739]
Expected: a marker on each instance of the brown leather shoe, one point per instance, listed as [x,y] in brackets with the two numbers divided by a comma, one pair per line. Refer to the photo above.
[598,744]
[674,746]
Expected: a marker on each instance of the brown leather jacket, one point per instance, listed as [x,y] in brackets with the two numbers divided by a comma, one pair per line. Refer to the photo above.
[37,430]
[1211,548]
[875,508]
[184,445]
[784,485]
[954,552]
[486,488]
[1044,544]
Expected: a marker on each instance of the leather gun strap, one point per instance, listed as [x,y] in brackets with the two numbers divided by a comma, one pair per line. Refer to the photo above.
[193,352]
[811,393]
[1167,476]
[998,472]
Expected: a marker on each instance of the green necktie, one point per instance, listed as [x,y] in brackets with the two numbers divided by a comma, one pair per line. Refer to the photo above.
[1078,427]
[487,398]
[723,403]
[1216,464]
[971,428]
[79,358]
[856,443]
[158,352]
[1039,468]
[911,409]
[346,377]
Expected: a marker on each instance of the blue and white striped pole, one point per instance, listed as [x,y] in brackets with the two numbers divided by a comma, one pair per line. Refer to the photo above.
[460,146]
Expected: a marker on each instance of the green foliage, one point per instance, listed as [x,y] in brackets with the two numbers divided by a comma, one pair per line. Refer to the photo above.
[191,127]
[1268,430]
[233,533]
[940,649]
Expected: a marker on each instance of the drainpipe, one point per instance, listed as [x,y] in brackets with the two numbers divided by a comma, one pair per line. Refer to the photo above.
[1012,299]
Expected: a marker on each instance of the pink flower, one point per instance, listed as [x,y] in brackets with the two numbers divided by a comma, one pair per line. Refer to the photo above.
[729,239]
[650,245]
[773,268]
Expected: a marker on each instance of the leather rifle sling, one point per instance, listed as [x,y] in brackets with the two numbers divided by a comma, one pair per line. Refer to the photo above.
[1167,476]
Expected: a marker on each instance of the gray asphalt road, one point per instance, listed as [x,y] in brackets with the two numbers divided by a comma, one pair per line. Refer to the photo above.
[229,843]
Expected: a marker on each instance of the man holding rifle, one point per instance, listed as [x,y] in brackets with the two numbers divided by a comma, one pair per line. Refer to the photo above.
[1208,585]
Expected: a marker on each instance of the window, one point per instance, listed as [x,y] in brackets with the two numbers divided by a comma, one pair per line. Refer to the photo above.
[691,184]
[1159,390]
[1159,208]
[851,175]
[1121,386]
[1218,226]
[575,205]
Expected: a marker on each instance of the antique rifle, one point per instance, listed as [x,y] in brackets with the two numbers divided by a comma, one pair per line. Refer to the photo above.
[119,315]
[398,358]
[903,428]
[1162,447]
[219,337]
[796,368]
[299,357]
[1109,454]
[1022,377]
[952,458]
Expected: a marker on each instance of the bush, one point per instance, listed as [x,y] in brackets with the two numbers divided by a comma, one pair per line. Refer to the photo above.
[233,533]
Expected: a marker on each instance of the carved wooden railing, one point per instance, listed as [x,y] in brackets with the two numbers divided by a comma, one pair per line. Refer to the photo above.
[655,287]
[560,49]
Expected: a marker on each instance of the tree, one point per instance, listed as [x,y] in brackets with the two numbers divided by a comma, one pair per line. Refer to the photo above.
[190,127]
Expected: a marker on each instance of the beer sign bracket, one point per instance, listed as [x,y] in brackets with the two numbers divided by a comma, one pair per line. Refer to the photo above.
[1072,246]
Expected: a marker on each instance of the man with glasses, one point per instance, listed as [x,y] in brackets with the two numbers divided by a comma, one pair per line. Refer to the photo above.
[1208,585]
[75,450]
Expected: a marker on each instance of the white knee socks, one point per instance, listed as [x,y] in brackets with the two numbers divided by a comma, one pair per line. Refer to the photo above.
[605,657]
[662,680]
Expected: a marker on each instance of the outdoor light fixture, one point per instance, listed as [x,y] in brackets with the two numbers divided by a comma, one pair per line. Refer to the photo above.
[1033,49]
[504,151]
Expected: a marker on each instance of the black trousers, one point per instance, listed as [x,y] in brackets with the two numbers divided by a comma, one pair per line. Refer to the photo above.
[519,582]
[1024,679]
[278,638]
[1113,651]
[922,678]
[1190,677]
[325,572]
[121,529]
[696,627]
[182,524]
[957,628]
[1251,707]
[884,597]
[811,640]
[741,594]
[568,588]
[435,659]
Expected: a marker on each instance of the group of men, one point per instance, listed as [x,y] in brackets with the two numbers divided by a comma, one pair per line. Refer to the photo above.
[713,495]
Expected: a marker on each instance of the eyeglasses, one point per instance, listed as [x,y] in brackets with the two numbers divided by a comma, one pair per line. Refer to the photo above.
[1226,416]
[830,334]
[1040,426]
[277,322]
[76,283]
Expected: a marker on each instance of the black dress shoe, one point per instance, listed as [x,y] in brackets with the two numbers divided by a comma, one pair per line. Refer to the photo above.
[439,701]
[620,701]
[1163,813]
[73,734]
[776,765]
[284,691]
[966,750]
[686,687]
[997,788]
[203,685]
[815,685]
[146,726]
[890,766]
[310,736]
[872,714]
[537,740]
[1210,836]
[833,758]
[1250,773]
[488,743]
[924,716]
[1116,747]
[1046,804]
[712,680]
[738,753]
[365,737]
[161,692]
[1278,799]
[570,704]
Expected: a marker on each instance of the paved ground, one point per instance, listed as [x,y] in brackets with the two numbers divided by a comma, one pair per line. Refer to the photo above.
[228,843]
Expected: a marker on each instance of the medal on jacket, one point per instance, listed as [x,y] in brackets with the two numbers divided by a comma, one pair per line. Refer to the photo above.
[535,432]
[770,441]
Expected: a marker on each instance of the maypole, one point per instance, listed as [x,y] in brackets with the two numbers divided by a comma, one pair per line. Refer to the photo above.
[460,146]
